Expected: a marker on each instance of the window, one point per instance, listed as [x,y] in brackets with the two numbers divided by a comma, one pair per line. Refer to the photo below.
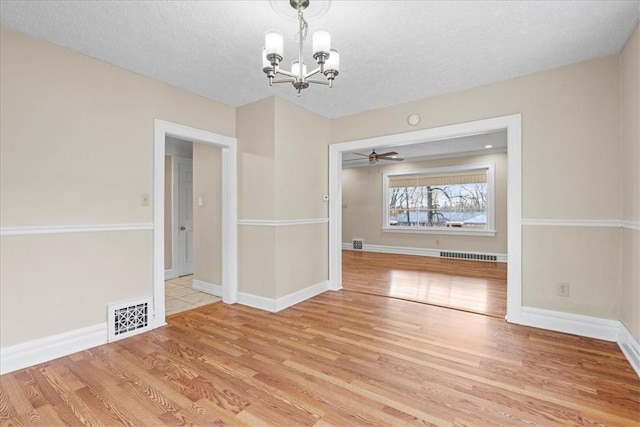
[449,200]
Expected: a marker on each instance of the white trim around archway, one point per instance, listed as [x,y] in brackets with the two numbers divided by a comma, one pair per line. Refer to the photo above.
[228,145]
[511,123]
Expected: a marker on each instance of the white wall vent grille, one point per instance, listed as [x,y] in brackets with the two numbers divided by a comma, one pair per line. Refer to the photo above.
[357,244]
[466,255]
[129,318]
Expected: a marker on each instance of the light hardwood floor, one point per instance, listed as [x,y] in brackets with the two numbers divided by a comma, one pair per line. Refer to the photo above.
[475,286]
[341,358]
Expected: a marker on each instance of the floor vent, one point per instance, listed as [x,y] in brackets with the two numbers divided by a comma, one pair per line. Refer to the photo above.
[129,318]
[357,244]
[466,255]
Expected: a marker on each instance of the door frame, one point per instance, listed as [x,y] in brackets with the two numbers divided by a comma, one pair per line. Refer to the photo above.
[512,124]
[175,213]
[228,146]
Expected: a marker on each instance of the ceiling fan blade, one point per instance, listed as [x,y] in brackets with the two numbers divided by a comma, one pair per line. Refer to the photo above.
[397,159]
[353,160]
[363,155]
[390,153]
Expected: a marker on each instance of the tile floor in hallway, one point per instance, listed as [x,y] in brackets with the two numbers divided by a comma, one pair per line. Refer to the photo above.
[180,296]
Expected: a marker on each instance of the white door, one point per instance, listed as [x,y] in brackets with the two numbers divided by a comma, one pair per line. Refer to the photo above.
[185,218]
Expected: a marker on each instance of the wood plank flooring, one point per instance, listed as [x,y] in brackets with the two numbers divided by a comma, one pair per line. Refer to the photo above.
[475,286]
[341,358]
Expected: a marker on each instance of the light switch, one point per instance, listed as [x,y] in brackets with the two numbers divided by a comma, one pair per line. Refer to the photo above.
[144,199]
[200,201]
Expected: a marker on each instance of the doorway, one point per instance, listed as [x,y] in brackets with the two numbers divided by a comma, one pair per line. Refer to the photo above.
[512,125]
[178,213]
[443,236]
[183,210]
[228,146]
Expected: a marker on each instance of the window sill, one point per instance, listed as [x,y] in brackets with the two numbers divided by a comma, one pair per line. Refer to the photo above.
[448,231]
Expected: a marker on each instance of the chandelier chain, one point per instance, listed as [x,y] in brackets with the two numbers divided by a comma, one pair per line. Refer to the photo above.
[302,34]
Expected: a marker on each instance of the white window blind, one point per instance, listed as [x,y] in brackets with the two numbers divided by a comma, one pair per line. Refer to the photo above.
[470,177]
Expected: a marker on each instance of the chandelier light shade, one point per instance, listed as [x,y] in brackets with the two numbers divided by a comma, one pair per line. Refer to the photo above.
[328,59]
[321,45]
[274,43]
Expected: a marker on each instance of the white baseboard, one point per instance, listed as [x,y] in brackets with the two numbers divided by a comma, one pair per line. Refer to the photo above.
[629,347]
[170,274]
[44,349]
[302,295]
[256,301]
[206,287]
[400,250]
[577,324]
[276,305]
[585,326]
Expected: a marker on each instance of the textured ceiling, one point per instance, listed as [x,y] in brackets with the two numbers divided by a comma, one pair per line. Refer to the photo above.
[490,142]
[392,52]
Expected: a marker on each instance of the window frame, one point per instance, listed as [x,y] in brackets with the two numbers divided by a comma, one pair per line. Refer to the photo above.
[490,230]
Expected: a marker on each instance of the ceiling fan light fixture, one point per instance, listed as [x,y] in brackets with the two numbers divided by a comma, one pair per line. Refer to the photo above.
[328,59]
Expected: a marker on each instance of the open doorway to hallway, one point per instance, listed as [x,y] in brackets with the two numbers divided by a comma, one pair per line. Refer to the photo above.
[228,285]
[192,224]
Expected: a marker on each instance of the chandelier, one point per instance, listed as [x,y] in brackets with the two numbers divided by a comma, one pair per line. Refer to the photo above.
[328,59]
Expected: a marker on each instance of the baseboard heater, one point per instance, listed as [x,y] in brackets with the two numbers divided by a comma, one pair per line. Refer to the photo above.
[467,255]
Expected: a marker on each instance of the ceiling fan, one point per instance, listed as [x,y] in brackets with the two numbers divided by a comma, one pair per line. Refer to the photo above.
[375,157]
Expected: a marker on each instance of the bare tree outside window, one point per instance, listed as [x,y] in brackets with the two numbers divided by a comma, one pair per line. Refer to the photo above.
[459,205]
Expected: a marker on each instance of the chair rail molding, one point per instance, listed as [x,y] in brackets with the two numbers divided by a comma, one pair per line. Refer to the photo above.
[73,228]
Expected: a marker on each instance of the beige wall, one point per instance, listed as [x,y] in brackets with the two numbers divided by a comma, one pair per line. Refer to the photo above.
[76,148]
[362,208]
[302,257]
[301,162]
[207,219]
[62,282]
[630,110]
[256,151]
[256,197]
[570,128]
[283,167]
[301,179]
[585,257]
[168,212]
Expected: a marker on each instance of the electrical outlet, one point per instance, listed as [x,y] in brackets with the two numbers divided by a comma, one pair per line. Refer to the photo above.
[562,289]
